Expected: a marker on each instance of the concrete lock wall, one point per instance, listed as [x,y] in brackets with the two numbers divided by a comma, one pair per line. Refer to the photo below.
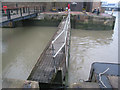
[47,20]
[92,22]
[81,21]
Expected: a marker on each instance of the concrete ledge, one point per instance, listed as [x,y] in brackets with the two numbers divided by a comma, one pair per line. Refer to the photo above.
[14,83]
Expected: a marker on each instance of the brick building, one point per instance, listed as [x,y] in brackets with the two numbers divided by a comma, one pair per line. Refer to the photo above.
[47,6]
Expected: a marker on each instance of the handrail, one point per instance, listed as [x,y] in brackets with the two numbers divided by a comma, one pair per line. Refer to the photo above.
[64,29]
[60,33]
[59,50]
[58,36]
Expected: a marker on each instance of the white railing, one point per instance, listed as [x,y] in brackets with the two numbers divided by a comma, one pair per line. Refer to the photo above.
[65,30]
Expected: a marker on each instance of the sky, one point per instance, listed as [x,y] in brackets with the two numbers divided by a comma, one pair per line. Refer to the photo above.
[111,1]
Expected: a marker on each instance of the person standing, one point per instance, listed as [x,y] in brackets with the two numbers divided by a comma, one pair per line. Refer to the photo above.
[68,7]
[112,12]
[94,11]
[98,11]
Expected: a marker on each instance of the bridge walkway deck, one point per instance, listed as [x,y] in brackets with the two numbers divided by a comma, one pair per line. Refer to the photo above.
[44,69]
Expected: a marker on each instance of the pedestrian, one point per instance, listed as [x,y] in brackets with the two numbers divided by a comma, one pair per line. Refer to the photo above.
[98,11]
[112,12]
[68,7]
[94,11]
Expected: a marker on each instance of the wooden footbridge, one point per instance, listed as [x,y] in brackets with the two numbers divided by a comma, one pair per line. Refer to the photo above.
[52,65]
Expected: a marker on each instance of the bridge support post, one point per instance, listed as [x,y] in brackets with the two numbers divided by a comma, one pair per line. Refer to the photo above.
[34,9]
[8,14]
[17,10]
[21,12]
[39,9]
[28,10]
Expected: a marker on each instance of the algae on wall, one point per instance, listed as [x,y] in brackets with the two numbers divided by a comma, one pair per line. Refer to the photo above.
[47,20]
[92,22]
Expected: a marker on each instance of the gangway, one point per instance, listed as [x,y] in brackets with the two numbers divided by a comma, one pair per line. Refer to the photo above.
[54,57]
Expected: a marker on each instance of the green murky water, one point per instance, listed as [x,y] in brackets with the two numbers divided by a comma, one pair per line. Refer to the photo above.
[88,46]
[21,48]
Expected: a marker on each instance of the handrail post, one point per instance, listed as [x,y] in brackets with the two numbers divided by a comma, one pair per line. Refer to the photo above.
[23,9]
[8,14]
[65,45]
[34,9]
[21,12]
[17,10]
[40,9]
[65,32]
[52,49]
[28,10]
[53,57]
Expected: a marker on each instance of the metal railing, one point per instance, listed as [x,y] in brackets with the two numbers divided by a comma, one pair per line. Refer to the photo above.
[19,11]
[65,30]
[64,45]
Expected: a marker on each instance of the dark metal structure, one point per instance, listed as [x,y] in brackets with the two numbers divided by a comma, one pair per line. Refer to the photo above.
[16,14]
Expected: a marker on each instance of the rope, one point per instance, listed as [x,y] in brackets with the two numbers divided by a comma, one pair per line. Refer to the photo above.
[100,74]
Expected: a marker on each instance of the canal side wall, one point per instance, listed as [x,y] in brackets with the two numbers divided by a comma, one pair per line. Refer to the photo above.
[48,19]
[90,22]
[82,21]
[41,20]
[78,21]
